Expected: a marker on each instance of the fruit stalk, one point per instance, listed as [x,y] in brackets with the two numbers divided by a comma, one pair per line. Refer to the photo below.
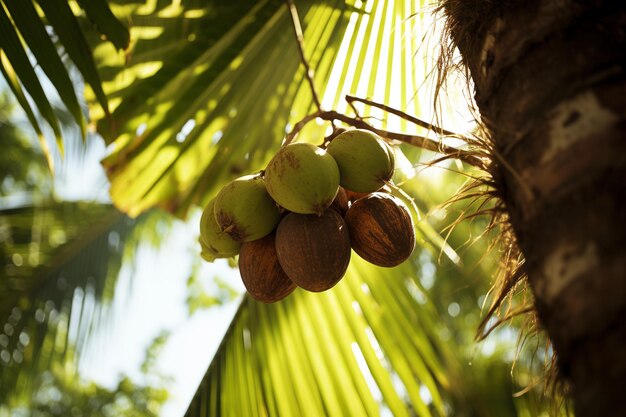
[471,158]
[297,30]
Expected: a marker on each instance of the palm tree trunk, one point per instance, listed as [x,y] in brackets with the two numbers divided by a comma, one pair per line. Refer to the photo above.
[550,83]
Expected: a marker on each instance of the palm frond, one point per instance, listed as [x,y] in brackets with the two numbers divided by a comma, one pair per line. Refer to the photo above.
[232,84]
[22,167]
[11,78]
[26,44]
[17,58]
[66,26]
[368,347]
[23,14]
[60,260]
[100,14]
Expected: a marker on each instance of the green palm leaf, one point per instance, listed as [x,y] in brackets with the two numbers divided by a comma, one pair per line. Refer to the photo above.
[11,78]
[23,31]
[18,59]
[39,43]
[368,345]
[67,27]
[206,93]
[30,172]
[61,261]
[100,14]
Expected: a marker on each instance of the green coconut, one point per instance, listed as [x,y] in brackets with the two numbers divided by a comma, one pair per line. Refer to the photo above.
[244,210]
[302,178]
[215,243]
[365,161]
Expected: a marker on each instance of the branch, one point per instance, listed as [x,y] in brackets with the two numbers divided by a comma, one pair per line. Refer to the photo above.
[414,140]
[297,30]
[298,127]
[358,122]
[350,99]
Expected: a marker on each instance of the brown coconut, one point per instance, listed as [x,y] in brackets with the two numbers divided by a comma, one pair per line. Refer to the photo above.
[261,272]
[381,229]
[340,203]
[314,251]
[353,195]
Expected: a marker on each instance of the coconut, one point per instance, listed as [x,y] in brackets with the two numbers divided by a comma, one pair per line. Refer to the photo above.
[302,178]
[244,209]
[261,272]
[365,161]
[353,196]
[314,251]
[340,203]
[381,229]
[214,242]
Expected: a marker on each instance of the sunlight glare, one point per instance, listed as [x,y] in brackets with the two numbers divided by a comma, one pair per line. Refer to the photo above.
[369,378]
[195,13]
[141,129]
[425,394]
[374,342]
[146,33]
[185,130]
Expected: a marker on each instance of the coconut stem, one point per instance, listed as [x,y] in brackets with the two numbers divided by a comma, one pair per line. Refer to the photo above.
[351,99]
[414,140]
[297,30]
[358,122]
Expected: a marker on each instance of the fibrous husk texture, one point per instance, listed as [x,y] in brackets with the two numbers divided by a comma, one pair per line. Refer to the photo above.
[381,229]
[466,24]
[261,272]
[314,250]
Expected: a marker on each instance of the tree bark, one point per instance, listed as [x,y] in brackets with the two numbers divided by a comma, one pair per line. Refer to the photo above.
[550,84]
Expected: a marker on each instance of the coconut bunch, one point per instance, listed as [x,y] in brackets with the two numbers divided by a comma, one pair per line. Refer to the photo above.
[294,224]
